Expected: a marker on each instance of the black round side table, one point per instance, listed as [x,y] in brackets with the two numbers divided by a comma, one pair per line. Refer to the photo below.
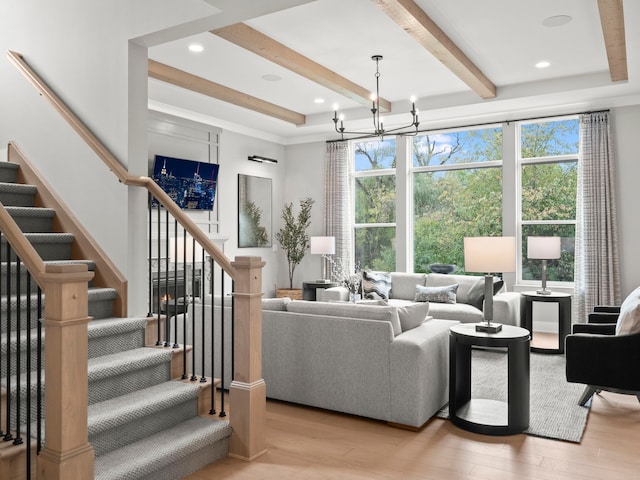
[564,317]
[487,416]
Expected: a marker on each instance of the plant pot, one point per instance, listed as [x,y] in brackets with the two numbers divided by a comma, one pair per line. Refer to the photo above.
[292,293]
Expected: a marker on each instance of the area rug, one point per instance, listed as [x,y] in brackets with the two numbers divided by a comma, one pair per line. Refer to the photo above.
[554,410]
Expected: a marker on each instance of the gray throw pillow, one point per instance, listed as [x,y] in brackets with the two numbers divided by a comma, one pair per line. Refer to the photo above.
[376,285]
[475,296]
[412,316]
[436,294]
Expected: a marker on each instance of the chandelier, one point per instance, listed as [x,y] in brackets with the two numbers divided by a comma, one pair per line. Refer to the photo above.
[378,122]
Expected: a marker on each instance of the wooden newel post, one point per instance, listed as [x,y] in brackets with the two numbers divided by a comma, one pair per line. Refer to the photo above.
[67,453]
[248,392]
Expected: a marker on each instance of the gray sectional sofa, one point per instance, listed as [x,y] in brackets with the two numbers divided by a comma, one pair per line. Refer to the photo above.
[386,361]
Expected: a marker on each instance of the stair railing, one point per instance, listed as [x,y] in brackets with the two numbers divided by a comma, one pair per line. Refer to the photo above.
[247,388]
[67,450]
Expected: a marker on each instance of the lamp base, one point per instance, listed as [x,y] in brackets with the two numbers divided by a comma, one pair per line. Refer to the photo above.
[544,291]
[487,327]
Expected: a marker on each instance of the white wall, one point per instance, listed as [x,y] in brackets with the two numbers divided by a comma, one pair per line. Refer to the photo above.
[234,150]
[625,138]
[305,178]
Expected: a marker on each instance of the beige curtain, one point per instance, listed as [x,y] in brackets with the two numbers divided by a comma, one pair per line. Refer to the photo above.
[597,271]
[337,205]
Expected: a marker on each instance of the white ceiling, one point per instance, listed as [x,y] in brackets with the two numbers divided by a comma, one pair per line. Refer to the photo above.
[503,38]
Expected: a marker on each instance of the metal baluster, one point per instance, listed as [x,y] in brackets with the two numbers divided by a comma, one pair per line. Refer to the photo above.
[28,366]
[167,322]
[203,377]
[222,338]
[39,371]
[18,439]
[193,317]
[159,299]
[150,261]
[7,435]
[212,410]
[184,317]
[175,286]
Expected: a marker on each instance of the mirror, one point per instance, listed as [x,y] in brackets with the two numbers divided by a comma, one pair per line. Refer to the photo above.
[254,211]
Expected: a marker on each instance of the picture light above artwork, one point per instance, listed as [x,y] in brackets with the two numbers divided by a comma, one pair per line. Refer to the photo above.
[261,159]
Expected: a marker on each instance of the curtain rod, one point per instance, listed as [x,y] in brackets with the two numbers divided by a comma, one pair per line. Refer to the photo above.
[485,123]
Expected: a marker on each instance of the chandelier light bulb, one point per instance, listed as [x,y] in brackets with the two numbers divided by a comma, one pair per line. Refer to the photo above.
[378,122]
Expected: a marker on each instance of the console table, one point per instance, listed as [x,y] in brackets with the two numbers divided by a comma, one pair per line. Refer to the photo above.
[310,289]
[486,416]
[564,317]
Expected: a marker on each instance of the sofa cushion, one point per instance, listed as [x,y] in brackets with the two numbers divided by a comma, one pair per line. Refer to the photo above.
[276,304]
[629,318]
[475,295]
[461,312]
[403,285]
[412,315]
[376,285]
[348,310]
[446,294]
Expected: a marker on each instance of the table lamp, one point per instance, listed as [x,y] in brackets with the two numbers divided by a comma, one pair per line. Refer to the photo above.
[323,246]
[486,255]
[543,248]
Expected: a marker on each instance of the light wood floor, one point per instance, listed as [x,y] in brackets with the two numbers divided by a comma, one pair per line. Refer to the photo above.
[307,443]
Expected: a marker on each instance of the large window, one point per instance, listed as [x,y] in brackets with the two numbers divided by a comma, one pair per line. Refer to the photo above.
[458,183]
[548,183]
[375,204]
[457,192]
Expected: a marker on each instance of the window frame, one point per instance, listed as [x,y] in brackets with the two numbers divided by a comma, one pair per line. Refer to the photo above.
[520,223]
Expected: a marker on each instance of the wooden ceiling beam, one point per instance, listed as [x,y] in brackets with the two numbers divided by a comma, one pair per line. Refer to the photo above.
[424,31]
[256,42]
[180,78]
[612,21]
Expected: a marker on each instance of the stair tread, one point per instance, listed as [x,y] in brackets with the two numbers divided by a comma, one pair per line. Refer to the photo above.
[127,408]
[17,188]
[129,360]
[161,449]
[31,211]
[112,325]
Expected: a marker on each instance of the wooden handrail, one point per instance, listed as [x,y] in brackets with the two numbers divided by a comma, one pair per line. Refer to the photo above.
[23,248]
[116,167]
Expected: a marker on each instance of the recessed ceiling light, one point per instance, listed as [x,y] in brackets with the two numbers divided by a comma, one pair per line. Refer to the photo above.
[543,64]
[269,77]
[556,20]
[196,48]
[318,100]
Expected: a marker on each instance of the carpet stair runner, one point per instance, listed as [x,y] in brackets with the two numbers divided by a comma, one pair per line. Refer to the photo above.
[142,424]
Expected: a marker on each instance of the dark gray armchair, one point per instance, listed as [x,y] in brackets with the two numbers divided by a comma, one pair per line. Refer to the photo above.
[602,360]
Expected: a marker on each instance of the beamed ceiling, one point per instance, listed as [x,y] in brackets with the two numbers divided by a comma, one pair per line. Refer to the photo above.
[465,61]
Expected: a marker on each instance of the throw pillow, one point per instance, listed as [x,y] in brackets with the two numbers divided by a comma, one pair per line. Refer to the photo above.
[412,316]
[629,318]
[436,294]
[376,285]
[475,296]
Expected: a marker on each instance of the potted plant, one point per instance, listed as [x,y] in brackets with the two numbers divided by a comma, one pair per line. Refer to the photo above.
[293,237]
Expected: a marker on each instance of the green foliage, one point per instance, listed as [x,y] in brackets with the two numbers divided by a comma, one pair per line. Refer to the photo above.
[293,237]
[452,204]
[252,231]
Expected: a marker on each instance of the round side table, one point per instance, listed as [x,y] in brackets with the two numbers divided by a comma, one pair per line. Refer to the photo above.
[486,416]
[564,317]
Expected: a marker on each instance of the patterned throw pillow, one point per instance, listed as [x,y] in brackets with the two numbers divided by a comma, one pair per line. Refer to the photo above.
[376,285]
[436,294]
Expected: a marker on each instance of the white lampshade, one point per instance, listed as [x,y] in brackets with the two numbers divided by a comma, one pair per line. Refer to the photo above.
[543,248]
[490,254]
[323,245]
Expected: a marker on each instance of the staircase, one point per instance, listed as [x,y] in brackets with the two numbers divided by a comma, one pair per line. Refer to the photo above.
[142,423]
